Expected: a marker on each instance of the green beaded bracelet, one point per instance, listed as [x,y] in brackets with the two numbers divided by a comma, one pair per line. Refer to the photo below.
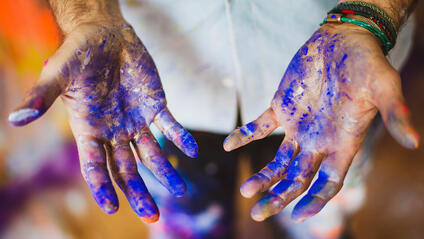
[387,45]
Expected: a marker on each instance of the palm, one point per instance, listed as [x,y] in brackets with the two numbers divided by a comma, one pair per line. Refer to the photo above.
[113,93]
[328,106]
[114,90]
[328,96]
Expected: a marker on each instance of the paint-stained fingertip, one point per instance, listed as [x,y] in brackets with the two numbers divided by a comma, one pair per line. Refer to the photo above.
[191,150]
[246,192]
[257,217]
[178,194]
[106,198]
[298,215]
[189,146]
[151,219]
[110,208]
[179,191]
[409,139]
[307,207]
[269,205]
[230,142]
[249,188]
[22,117]
[413,140]
[145,208]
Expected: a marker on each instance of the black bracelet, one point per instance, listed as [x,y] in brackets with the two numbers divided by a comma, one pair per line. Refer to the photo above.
[371,12]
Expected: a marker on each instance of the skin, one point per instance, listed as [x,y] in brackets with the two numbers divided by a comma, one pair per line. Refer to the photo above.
[112,91]
[332,89]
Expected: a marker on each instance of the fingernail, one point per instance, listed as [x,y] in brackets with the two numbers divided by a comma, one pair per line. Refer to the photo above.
[150,219]
[110,208]
[22,116]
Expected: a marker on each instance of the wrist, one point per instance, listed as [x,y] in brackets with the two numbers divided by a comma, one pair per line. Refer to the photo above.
[71,14]
[397,10]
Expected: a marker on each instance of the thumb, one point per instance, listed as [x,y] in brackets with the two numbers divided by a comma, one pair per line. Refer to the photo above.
[396,115]
[39,98]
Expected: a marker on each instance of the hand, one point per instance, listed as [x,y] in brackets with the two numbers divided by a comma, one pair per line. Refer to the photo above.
[328,96]
[112,91]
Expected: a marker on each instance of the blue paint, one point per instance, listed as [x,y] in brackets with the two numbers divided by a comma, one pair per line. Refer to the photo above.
[305,201]
[288,97]
[304,50]
[303,208]
[341,63]
[282,186]
[251,127]
[309,204]
[318,36]
[102,45]
[282,160]
[319,184]
[140,199]
[344,94]
[330,48]
[105,197]
[189,145]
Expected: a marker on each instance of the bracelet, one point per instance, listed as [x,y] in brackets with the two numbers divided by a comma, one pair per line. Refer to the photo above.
[337,18]
[376,15]
[367,13]
[378,10]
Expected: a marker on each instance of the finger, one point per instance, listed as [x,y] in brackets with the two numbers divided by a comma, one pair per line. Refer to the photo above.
[299,176]
[45,91]
[397,120]
[328,184]
[36,103]
[174,132]
[273,172]
[124,170]
[152,157]
[94,170]
[258,129]
[390,102]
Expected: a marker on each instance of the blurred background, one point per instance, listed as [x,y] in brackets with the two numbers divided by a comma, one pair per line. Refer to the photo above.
[42,194]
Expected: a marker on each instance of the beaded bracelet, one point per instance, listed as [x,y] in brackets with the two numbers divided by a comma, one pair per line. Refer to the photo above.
[337,18]
[378,10]
[376,15]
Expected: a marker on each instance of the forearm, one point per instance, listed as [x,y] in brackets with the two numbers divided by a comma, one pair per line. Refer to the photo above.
[398,10]
[71,13]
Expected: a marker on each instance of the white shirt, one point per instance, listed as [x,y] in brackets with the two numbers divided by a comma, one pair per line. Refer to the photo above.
[213,55]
